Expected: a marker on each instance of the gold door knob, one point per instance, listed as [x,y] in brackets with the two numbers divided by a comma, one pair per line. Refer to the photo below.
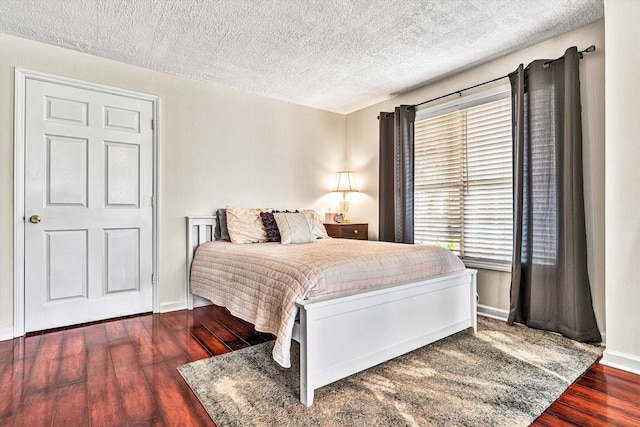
[35,219]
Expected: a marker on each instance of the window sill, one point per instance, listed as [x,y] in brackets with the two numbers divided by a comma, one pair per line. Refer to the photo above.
[487,265]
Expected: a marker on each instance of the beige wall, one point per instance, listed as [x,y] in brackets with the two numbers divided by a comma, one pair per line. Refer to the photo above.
[362,150]
[622,206]
[218,147]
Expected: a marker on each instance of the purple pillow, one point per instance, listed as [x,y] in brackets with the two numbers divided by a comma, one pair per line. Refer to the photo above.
[270,225]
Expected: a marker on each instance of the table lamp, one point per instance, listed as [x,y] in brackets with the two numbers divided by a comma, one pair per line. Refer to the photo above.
[345,183]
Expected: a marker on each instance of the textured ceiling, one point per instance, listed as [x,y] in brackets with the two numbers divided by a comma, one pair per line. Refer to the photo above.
[336,55]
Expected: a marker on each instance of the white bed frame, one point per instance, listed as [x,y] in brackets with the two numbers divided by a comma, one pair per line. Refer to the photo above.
[383,323]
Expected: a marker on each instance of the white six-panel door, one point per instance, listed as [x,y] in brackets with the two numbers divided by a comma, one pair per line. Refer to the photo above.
[87,204]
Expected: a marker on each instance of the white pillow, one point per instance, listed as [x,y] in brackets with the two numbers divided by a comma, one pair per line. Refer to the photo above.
[245,225]
[315,222]
[294,228]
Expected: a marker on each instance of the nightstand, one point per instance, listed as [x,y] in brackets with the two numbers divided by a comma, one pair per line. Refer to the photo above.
[348,231]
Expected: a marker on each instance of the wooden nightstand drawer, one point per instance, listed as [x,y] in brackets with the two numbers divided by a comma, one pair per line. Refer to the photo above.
[348,231]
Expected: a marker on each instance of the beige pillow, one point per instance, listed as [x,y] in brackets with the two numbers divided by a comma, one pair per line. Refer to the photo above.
[314,220]
[245,225]
[294,228]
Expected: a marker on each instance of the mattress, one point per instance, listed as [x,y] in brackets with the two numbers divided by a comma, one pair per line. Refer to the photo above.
[261,282]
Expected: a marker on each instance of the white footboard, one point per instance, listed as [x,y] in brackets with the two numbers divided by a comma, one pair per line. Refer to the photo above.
[382,324]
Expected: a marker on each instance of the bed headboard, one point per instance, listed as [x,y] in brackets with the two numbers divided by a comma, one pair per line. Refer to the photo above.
[200,229]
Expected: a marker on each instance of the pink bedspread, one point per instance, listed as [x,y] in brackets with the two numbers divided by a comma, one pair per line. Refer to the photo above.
[261,282]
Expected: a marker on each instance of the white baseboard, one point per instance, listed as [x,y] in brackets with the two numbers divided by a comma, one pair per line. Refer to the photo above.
[200,302]
[493,312]
[6,333]
[619,360]
[172,306]
[182,305]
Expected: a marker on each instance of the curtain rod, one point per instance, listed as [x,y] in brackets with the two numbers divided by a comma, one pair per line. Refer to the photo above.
[590,49]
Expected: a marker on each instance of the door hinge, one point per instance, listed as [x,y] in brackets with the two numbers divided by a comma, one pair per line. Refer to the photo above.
[153,201]
[153,125]
[152,279]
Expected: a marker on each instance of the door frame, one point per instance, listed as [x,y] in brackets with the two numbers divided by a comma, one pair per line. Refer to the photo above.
[19,136]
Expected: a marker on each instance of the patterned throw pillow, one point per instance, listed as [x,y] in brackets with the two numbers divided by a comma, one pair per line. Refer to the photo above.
[271,226]
[294,228]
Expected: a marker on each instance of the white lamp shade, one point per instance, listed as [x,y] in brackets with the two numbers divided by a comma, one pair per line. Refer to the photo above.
[345,182]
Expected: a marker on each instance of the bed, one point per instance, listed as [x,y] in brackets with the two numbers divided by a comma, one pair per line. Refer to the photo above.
[349,331]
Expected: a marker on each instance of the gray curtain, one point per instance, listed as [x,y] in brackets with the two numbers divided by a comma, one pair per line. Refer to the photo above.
[549,283]
[396,175]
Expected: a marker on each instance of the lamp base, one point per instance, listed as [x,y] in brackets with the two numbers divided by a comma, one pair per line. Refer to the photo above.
[344,204]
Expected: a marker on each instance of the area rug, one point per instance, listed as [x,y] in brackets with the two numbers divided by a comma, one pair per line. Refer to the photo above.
[501,376]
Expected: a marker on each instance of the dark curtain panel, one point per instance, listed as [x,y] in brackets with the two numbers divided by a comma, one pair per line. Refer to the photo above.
[549,283]
[386,209]
[396,175]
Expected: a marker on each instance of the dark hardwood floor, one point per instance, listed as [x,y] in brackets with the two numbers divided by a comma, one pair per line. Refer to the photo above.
[122,372]
[602,396]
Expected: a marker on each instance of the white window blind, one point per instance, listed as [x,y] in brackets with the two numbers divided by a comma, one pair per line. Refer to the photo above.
[463,181]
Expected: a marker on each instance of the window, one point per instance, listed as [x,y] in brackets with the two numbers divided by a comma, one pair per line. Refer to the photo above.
[463,181]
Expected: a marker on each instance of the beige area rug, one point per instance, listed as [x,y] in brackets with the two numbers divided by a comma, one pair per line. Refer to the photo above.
[501,376]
